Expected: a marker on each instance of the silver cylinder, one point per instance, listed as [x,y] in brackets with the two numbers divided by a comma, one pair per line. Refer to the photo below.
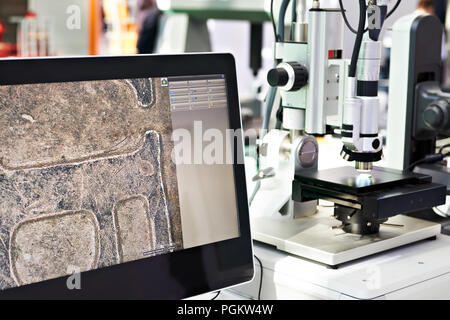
[301,31]
[364,166]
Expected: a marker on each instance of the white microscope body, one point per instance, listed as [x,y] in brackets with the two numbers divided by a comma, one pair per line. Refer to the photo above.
[321,93]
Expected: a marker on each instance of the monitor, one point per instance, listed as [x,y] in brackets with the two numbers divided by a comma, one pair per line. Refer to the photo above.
[121,177]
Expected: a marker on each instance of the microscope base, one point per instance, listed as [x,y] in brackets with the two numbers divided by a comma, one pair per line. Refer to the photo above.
[314,238]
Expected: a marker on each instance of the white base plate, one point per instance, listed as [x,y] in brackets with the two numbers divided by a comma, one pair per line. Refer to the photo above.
[419,271]
[313,237]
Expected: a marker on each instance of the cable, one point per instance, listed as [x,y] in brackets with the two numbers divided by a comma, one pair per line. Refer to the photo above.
[270,99]
[390,13]
[279,117]
[271,95]
[293,19]
[255,191]
[344,15]
[294,11]
[273,21]
[281,17]
[269,107]
[441,150]
[347,23]
[431,158]
[261,277]
[359,38]
[217,295]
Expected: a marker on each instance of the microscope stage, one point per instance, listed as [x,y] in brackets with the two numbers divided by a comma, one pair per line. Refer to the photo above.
[349,180]
[322,238]
[379,195]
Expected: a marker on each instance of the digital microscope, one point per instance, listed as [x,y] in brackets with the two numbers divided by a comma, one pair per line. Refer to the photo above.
[317,92]
[421,118]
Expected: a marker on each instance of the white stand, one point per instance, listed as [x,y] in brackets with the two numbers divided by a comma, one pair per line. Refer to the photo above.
[417,271]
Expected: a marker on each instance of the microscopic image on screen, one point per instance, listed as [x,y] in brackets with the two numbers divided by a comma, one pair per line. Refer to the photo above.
[86,177]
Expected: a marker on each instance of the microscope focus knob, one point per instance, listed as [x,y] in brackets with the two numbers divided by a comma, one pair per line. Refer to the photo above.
[278,77]
[289,76]
[437,115]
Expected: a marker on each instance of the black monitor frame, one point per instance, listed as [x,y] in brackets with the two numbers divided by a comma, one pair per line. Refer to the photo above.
[175,275]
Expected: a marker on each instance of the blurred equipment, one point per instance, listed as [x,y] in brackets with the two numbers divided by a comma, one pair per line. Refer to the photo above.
[419,119]
[321,93]
[11,12]
[6,49]
[72,27]
[183,28]
[121,25]
[35,37]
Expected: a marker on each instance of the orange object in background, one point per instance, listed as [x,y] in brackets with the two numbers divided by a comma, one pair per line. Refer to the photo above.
[95,26]
[30,15]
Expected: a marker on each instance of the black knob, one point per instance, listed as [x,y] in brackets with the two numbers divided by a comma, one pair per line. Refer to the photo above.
[301,76]
[437,115]
[291,75]
[278,77]
[433,117]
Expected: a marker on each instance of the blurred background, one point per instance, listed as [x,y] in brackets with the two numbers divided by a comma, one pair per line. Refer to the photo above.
[30,28]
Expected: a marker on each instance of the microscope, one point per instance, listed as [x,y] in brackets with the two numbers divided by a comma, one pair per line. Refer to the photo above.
[321,93]
[421,117]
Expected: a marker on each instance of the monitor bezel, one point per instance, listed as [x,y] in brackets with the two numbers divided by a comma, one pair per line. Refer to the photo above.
[176,275]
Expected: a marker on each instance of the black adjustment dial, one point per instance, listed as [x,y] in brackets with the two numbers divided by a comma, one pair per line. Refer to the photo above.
[290,76]
[437,115]
[278,77]
[301,76]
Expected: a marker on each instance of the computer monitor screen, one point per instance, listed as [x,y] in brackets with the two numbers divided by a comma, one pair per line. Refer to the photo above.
[98,173]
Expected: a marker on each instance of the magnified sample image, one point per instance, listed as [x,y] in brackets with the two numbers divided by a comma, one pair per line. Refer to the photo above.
[86,177]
